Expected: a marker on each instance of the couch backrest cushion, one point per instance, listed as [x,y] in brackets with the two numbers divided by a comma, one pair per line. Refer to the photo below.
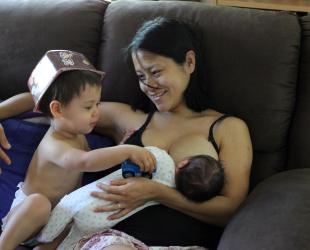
[252,60]
[299,144]
[31,27]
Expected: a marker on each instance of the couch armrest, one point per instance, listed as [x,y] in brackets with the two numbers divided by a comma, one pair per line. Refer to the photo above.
[275,216]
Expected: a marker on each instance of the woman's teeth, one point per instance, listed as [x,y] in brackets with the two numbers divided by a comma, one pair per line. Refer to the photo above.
[157,94]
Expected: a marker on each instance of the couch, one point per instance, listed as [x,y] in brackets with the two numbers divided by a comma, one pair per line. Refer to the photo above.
[258,65]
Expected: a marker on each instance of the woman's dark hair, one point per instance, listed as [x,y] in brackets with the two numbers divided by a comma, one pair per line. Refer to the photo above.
[66,86]
[201,178]
[172,38]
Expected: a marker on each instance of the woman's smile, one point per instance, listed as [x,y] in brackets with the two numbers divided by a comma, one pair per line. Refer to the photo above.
[157,95]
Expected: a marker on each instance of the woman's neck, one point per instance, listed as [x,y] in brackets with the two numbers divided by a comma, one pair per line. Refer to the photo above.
[181,111]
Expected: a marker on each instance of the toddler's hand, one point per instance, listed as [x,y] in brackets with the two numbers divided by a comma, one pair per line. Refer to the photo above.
[144,158]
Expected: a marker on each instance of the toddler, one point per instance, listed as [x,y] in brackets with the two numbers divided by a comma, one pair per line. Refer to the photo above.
[67,88]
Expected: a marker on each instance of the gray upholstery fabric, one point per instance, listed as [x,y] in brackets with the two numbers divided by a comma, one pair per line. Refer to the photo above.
[31,27]
[299,144]
[22,248]
[275,215]
[251,60]
[253,67]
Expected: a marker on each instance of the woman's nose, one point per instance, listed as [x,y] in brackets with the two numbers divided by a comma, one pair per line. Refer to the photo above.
[151,83]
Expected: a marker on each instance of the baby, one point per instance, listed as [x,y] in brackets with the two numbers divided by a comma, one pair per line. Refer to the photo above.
[198,178]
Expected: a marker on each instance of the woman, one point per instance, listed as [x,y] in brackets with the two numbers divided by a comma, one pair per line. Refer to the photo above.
[168,64]
[170,72]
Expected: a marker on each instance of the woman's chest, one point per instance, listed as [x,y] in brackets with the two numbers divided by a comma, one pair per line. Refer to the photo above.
[164,134]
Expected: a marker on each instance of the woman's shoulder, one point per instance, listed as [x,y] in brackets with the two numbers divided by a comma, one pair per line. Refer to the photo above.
[120,116]
[118,107]
[225,126]
[227,120]
[112,107]
[232,129]
[117,110]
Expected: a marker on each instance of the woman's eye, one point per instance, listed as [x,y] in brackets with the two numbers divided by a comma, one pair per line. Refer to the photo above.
[141,78]
[87,108]
[97,104]
[156,73]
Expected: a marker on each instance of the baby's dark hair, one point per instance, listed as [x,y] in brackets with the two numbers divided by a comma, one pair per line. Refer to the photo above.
[201,178]
[66,86]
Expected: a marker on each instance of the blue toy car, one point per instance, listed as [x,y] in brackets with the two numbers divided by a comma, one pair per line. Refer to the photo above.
[129,169]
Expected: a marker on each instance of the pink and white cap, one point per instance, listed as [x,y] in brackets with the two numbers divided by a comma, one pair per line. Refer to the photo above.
[52,64]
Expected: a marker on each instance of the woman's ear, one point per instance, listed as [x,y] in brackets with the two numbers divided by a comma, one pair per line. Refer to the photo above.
[55,108]
[190,61]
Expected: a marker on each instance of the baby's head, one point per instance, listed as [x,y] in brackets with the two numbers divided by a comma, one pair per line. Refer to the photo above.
[61,75]
[199,178]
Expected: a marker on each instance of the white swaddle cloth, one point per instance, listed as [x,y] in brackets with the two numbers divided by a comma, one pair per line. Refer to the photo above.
[78,205]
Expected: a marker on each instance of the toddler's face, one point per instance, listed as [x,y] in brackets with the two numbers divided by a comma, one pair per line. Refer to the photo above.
[82,113]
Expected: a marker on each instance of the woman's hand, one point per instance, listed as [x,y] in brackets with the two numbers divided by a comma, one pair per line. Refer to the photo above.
[125,195]
[4,144]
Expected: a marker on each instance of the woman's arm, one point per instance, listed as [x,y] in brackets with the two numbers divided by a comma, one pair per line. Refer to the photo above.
[11,107]
[235,153]
[235,146]
[118,119]
[16,105]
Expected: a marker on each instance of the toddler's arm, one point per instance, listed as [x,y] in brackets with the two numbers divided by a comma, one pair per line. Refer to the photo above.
[67,157]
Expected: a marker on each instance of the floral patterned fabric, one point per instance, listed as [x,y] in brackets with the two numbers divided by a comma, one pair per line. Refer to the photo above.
[110,237]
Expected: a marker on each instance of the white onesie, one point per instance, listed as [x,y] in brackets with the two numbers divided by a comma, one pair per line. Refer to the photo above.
[78,205]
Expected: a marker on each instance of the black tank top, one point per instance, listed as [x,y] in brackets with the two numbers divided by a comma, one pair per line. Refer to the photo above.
[163,226]
[136,137]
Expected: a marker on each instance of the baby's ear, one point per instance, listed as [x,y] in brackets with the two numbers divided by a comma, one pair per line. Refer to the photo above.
[55,108]
[182,163]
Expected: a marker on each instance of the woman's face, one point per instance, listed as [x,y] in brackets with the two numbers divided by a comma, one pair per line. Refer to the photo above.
[162,79]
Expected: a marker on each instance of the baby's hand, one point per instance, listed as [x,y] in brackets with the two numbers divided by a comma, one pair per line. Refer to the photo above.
[142,157]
